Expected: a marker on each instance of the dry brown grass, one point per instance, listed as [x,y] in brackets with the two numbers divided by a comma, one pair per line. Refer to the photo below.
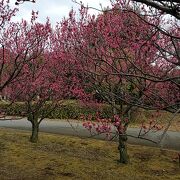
[64,157]
[163,118]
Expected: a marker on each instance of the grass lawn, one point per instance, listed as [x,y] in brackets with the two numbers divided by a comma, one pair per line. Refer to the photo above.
[65,157]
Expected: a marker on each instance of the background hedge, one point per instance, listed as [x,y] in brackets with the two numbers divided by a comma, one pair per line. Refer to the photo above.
[72,109]
[68,110]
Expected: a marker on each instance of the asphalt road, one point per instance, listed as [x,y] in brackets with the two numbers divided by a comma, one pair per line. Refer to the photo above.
[75,128]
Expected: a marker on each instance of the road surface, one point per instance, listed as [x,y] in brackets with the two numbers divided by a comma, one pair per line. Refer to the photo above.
[171,140]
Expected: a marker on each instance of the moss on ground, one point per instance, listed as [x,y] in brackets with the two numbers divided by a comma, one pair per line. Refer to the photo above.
[64,157]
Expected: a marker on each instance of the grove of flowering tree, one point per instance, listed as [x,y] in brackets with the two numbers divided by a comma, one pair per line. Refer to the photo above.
[128,55]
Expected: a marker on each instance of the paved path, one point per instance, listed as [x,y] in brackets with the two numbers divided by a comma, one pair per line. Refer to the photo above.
[171,140]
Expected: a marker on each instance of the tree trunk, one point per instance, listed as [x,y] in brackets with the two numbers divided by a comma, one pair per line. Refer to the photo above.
[35,130]
[123,149]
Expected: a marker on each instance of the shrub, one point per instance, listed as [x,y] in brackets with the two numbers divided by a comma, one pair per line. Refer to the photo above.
[65,111]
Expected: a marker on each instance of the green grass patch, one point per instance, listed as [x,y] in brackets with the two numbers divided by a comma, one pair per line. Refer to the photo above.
[66,157]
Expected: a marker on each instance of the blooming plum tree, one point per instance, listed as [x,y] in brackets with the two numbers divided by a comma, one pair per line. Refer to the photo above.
[45,80]
[40,89]
[26,69]
[126,58]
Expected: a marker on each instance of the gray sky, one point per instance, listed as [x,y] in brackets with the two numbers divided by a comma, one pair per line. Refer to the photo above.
[54,9]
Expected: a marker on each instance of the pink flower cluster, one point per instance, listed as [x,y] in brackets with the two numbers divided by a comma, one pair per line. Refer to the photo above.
[102,125]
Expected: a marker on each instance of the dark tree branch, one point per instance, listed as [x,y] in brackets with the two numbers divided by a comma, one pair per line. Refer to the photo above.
[171,7]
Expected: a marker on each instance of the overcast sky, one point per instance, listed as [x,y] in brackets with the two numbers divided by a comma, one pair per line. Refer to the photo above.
[54,9]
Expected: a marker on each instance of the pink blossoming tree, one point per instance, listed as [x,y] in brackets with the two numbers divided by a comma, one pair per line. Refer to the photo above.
[127,58]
